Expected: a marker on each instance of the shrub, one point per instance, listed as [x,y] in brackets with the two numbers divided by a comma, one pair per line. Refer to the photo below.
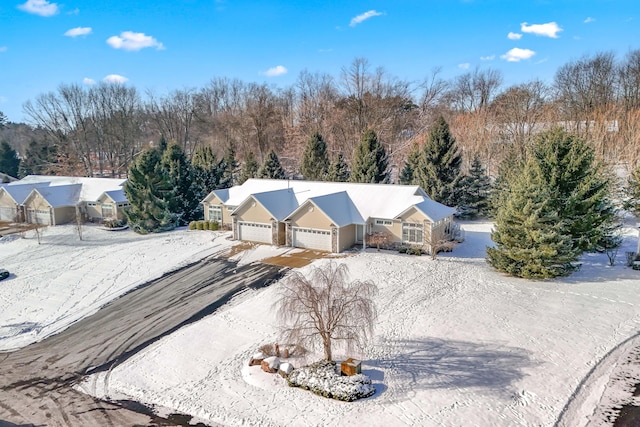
[193,225]
[200,225]
[321,378]
[213,225]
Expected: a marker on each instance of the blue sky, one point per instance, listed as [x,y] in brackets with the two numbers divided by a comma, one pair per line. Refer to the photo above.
[163,45]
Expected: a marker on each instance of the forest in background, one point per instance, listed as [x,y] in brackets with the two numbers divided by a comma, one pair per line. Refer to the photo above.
[98,130]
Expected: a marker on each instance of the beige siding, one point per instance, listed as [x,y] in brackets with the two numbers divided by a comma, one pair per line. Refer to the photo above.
[64,215]
[314,218]
[394,230]
[6,200]
[346,237]
[253,212]
[94,212]
[37,202]
[226,213]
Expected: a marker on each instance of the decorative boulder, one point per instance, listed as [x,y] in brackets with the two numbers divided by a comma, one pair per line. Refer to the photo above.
[285,369]
[271,364]
[256,359]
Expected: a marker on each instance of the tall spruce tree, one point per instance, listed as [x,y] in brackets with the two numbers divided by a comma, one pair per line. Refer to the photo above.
[149,190]
[228,167]
[531,238]
[249,168]
[508,169]
[271,168]
[408,173]
[370,162]
[632,192]
[315,161]
[185,203]
[439,170]
[475,191]
[582,187]
[9,161]
[206,170]
[338,170]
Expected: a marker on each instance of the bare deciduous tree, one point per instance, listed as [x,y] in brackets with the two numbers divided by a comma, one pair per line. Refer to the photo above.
[326,308]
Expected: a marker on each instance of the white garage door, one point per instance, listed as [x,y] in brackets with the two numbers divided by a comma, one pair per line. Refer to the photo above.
[312,239]
[254,232]
[7,213]
[40,216]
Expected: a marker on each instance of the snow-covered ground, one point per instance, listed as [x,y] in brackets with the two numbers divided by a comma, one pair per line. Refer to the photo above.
[63,279]
[456,343]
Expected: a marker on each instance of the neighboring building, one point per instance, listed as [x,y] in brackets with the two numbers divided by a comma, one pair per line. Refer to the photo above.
[54,200]
[328,216]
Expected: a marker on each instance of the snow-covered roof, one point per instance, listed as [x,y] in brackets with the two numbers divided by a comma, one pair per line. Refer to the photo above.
[278,203]
[91,188]
[338,207]
[368,200]
[430,208]
[118,196]
[60,195]
[19,192]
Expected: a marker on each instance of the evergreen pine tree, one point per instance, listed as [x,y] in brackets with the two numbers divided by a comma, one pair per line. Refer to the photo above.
[185,203]
[475,193]
[583,193]
[370,161]
[39,159]
[9,161]
[148,190]
[439,171]
[508,170]
[271,168]
[206,171]
[632,192]
[530,237]
[338,170]
[228,167]
[315,161]
[249,168]
[407,175]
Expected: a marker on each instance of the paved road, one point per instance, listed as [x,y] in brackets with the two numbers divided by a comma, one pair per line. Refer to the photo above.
[36,381]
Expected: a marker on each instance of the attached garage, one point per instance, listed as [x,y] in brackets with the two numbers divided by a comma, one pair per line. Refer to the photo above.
[309,238]
[39,216]
[255,232]
[7,213]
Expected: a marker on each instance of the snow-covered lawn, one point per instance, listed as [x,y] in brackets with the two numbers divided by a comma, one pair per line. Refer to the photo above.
[64,279]
[456,343]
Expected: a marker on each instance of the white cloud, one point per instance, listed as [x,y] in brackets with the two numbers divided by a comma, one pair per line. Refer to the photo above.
[115,78]
[464,66]
[90,82]
[487,58]
[128,40]
[516,54]
[78,31]
[514,36]
[3,48]
[39,7]
[550,29]
[275,71]
[589,19]
[363,17]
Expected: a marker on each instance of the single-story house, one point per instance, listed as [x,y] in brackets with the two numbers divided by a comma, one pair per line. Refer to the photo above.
[54,200]
[329,216]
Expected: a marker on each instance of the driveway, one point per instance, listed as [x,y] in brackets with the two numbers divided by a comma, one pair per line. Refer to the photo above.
[36,381]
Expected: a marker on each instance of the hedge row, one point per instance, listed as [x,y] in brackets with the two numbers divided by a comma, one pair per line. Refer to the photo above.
[204,225]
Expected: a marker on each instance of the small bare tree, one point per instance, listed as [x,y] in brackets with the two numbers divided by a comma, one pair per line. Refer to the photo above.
[325,308]
[79,220]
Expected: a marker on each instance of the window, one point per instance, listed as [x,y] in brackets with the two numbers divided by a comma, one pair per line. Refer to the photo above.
[215,213]
[412,232]
[384,222]
[92,204]
[230,208]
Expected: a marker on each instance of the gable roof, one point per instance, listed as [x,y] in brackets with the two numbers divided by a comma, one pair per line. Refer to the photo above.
[338,207]
[367,200]
[20,192]
[118,196]
[90,188]
[278,203]
[59,196]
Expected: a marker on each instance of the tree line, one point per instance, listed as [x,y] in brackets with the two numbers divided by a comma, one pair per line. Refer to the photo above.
[99,130]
